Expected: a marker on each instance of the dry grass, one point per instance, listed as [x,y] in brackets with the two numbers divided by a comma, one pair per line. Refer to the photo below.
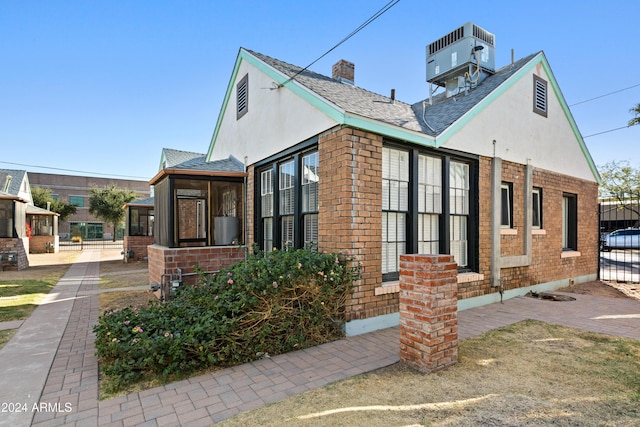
[528,374]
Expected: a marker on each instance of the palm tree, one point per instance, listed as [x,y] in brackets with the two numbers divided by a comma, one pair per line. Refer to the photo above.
[636,120]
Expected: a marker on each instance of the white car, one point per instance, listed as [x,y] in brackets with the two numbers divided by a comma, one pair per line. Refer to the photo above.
[628,238]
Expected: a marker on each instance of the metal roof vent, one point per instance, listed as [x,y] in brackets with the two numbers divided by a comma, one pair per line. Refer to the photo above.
[461,59]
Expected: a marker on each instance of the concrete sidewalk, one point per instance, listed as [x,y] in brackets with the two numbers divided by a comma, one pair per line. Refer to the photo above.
[67,388]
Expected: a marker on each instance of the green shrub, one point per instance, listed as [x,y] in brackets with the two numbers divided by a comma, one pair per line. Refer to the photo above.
[270,304]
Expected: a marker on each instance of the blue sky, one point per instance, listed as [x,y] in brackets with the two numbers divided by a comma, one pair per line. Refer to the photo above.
[102,87]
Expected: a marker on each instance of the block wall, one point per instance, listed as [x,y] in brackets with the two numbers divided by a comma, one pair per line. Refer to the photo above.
[166,261]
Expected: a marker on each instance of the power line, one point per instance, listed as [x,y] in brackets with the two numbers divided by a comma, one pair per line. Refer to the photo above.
[606,94]
[77,171]
[606,131]
[353,33]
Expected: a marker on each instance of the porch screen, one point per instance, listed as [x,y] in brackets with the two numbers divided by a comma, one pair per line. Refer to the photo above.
[266,206]
[287,203]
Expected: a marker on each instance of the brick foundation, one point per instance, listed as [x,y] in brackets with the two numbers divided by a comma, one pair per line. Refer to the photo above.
[138,246]
[428,311]
[21,247]
[44,244]
[163,260]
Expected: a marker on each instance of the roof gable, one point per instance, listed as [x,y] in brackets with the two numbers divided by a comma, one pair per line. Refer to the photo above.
[427,125]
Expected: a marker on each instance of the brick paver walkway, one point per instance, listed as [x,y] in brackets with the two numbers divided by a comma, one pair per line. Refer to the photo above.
[72,381]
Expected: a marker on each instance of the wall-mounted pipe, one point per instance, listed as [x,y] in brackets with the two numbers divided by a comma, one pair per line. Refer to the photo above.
[497,260]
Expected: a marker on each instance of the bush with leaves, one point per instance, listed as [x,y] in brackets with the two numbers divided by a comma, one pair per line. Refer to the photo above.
[272,303]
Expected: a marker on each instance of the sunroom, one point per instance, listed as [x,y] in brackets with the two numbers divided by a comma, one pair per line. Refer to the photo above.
[199,212]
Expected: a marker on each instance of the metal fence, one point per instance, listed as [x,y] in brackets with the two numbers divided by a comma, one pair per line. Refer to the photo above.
[91,244]
[620,239]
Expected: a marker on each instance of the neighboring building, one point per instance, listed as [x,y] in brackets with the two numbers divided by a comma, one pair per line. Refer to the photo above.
[76,191]
[480,171]
[24,228]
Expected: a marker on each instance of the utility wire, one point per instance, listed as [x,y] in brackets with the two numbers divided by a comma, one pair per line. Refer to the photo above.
[606,94]
[353,33]
[606,131]
[77,171]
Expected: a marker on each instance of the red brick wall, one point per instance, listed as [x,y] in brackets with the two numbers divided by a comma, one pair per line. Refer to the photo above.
[250,207]
[547,263]
[428,311]
[350,212]
[18,245]
[163,260]
[38,244]
[137,244]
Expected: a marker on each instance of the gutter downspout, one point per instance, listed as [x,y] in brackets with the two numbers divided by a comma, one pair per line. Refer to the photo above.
[498,261]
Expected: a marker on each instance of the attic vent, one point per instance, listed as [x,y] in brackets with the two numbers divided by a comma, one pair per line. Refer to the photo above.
[539,96]
[242,93]
[7,183]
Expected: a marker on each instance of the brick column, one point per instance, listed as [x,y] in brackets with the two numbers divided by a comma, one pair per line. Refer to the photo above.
[428,311]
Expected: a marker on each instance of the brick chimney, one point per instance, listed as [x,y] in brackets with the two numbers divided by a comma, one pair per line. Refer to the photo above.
[343,71]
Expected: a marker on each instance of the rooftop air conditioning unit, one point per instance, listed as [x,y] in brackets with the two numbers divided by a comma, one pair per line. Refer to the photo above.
[465,55]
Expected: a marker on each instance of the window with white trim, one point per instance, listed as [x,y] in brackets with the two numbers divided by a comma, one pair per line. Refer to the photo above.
[395,206]
[459,211]
[536,207]
[506,210]
[287,203]
[429,203]
[309,186]
[266,208]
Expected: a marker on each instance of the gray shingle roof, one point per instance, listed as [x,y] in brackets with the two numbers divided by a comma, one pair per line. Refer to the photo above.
[17,177]
[177,159]
[356,100]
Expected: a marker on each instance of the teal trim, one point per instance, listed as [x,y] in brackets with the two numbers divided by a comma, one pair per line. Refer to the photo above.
[344,118]
[572,122]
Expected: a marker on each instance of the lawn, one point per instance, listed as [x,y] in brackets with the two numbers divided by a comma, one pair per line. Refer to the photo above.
[18,298]
[527,374]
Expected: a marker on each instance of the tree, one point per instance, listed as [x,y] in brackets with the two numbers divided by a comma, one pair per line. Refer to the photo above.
[108,203]
[621,184]
[42,196]
[636,120]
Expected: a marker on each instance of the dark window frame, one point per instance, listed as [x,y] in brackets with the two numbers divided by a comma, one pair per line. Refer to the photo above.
[537,211]
[472,218]
[569,222]
[506,211]
[295,154]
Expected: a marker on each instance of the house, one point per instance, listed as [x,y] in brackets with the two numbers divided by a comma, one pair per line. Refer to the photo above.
[490,167]
[75,190]
[24,228]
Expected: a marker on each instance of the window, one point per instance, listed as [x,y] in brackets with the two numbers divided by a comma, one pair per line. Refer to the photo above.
[266,208]
[506,212]
[86,230]
[569,222]
[536,207]
[242,96]
[140,221]
[459,212]
[429,204]
[539,96]
[395,206]
[288,202]
[309,183]
[6,218]
[76,201]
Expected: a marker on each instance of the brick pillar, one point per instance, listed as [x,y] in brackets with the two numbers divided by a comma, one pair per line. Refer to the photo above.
[428,311]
